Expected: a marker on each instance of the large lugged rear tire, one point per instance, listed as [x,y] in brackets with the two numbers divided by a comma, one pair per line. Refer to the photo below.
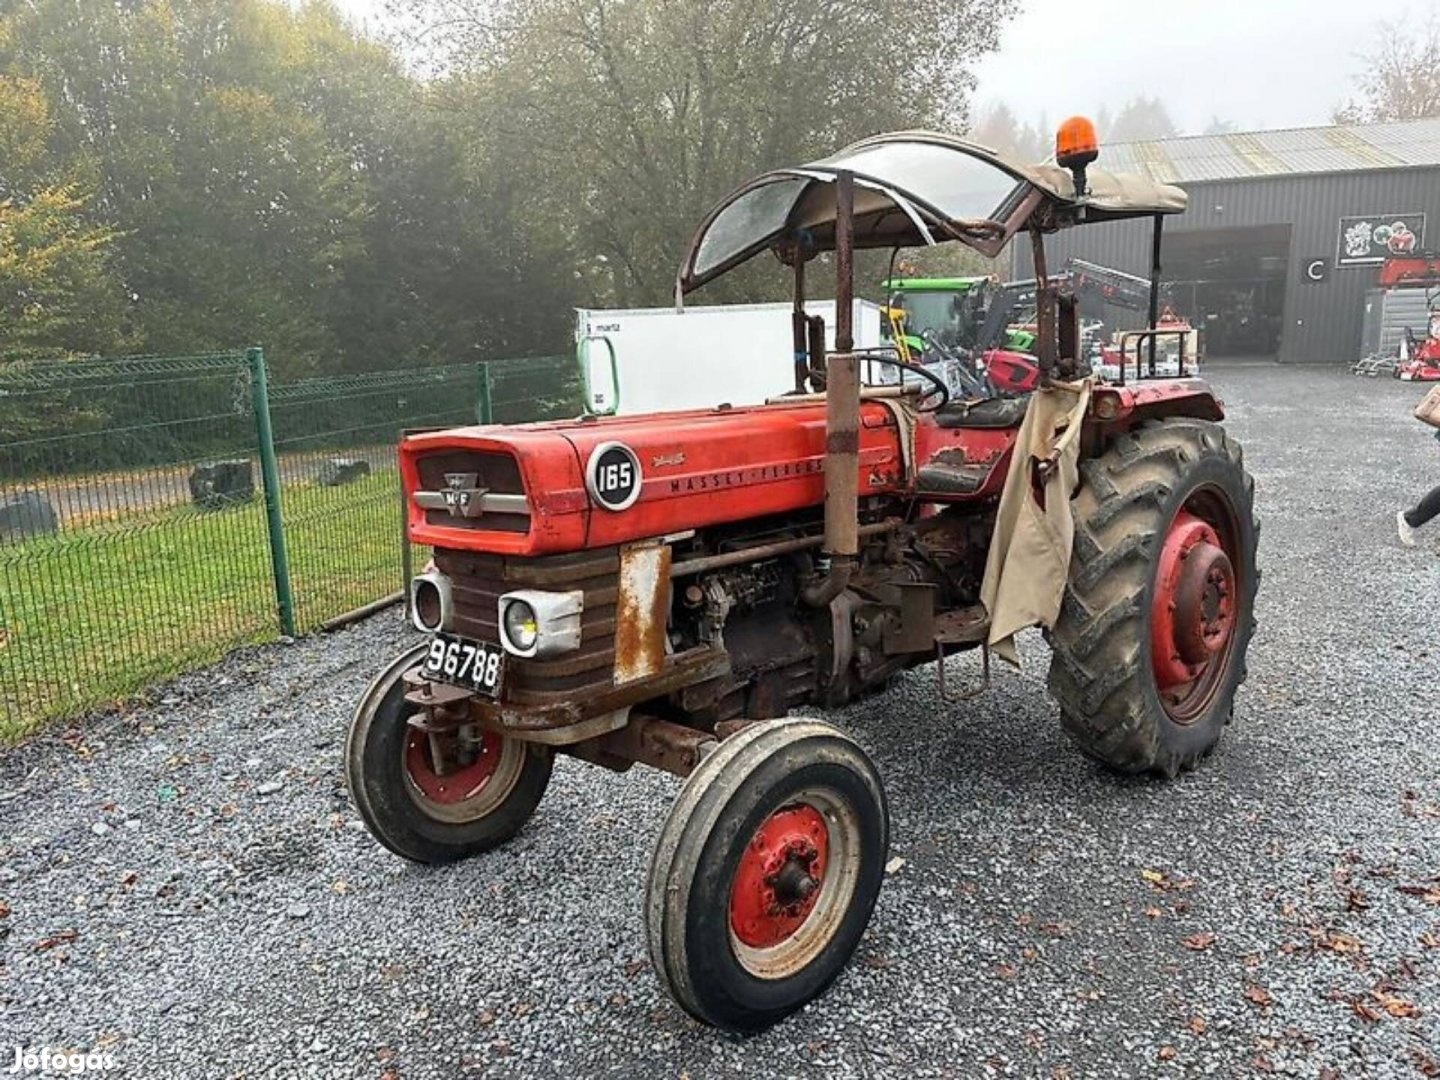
[766,873]
[1150,645]
[425,815]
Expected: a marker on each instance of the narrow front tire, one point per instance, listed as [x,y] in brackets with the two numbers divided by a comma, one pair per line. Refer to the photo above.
[766,873]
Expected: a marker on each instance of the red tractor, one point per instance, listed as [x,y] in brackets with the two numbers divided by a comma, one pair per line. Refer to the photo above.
[665,589]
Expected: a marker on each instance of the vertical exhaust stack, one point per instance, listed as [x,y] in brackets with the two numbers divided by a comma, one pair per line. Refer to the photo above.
[842,414]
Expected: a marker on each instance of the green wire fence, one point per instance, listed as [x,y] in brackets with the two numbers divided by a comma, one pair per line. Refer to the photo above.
[156,512]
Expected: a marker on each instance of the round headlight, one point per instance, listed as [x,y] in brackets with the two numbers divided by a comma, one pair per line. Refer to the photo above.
[521,629]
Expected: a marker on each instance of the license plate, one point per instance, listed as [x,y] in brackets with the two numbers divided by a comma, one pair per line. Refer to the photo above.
[474,665]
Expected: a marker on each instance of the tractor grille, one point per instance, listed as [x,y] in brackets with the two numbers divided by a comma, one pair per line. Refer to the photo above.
[499,474]
[477,582]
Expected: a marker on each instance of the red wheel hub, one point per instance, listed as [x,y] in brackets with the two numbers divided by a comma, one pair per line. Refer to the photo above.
[1194,608]
[458,784]
[779,877]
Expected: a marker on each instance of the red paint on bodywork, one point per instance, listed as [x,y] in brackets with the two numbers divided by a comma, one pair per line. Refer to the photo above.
[711,467]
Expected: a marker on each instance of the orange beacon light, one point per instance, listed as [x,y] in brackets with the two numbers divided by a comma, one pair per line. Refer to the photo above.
[1076,147]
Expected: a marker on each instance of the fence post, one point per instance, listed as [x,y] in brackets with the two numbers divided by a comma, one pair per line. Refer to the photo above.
[270,476]
[484,412]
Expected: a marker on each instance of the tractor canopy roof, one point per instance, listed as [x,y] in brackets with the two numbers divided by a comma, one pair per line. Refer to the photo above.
[911,188]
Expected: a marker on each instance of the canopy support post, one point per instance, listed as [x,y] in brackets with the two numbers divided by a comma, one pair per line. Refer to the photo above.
[1155,234]
[842,415]
[799,328]
[1046,330]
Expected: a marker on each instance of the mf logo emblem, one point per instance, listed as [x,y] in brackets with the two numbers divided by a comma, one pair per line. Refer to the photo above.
[462,497]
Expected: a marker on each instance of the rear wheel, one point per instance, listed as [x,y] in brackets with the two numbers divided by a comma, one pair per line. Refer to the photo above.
[436,798]
[766,873]
[1158,613]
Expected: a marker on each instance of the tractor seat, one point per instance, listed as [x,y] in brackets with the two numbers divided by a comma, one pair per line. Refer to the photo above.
[997,412]
[951,473]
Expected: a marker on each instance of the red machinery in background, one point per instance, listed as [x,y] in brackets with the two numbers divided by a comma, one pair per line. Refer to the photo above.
[1417,358]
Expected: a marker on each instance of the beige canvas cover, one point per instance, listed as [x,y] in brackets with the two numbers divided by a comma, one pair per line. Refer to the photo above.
[1029,557]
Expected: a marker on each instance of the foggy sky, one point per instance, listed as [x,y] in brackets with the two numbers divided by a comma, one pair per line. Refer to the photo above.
[1256,63]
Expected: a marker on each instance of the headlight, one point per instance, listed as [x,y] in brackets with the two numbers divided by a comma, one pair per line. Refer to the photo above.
[521,628]
[431,606]
[534,623]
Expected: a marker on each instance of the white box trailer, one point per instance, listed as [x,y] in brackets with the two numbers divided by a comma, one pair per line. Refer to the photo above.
[642,360]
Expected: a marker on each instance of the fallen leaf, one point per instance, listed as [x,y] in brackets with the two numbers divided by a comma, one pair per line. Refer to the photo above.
[1340,943]
[894,865]
[1395,1005]
[1259,996]
[1425,1065]
[486,1018]
[1167,1053]
[1030,953]
[1365,1012]
[1355,900]
[1199,942]
[1005,971]
[634,967]
[1158,879]
[342,887]
[1430,939]
[64,937]
[1429,893]
[1261,1063]
[1153,912]
[1197,1025]
[4,910]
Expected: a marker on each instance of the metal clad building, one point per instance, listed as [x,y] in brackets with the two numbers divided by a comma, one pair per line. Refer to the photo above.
[1285,232]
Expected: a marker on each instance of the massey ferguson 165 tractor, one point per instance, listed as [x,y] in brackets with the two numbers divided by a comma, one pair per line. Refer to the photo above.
[667,588]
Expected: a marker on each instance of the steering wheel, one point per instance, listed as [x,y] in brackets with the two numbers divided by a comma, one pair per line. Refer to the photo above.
[941,391]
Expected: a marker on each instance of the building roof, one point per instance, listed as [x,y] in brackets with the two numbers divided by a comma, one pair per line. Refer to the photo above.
[1289,152]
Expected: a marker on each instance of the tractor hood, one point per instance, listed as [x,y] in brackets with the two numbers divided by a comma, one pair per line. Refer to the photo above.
[912,188]
[534,489]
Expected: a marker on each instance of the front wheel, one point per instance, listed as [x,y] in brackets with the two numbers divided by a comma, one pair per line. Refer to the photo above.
[1159,608]
[766,873]
[436,798]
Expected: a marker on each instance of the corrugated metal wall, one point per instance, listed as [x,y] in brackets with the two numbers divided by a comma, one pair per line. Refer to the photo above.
[1322,321]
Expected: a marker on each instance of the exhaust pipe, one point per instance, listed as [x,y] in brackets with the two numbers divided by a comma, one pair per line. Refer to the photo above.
[842,415]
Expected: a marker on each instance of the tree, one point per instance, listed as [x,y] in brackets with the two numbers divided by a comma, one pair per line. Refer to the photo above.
[236,194]
[1401,76]
[999,128]
[56,291]
[1140,119]
[628,119]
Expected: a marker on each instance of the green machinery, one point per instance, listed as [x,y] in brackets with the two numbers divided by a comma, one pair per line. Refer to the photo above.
[952,309]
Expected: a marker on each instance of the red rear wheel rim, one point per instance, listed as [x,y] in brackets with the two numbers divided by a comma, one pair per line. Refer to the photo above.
[1196,606]
[459,784]
[780,877]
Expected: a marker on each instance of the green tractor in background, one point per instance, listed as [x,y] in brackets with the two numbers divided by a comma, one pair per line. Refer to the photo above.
[952,309]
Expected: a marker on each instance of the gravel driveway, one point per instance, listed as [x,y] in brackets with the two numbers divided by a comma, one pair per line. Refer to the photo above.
[190,891]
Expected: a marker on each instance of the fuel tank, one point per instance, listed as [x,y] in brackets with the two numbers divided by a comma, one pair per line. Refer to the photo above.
[535,489]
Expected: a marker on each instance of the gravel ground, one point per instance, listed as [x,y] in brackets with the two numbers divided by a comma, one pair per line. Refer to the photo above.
[190,891]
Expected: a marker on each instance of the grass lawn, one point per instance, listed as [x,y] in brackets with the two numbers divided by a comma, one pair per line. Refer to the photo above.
[94,614]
